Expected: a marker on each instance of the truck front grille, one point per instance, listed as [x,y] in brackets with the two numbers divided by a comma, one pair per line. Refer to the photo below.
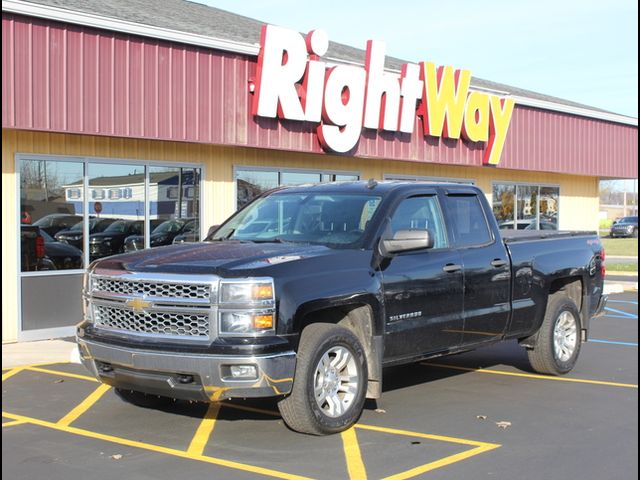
[164,306]
[152,322]
[189,291]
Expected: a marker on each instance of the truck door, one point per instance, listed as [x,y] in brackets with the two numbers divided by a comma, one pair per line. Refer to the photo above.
[487,271]
[422,289]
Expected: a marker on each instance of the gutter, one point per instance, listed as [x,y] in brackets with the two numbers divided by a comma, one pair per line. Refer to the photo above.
[106,23]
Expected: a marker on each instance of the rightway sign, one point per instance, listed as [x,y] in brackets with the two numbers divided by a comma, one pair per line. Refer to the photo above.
[293,83]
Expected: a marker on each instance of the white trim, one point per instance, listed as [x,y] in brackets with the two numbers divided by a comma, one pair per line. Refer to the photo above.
[583,112]
[107,23]
[133,28]
[46,334]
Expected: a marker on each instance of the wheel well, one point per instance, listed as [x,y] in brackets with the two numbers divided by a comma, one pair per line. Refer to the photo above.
[571,287]
[357,318]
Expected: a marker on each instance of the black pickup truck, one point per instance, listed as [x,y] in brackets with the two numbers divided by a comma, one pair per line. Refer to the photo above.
[308,292]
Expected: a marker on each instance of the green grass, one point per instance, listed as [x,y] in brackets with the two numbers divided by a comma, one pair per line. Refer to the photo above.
[621,246]
[622,267]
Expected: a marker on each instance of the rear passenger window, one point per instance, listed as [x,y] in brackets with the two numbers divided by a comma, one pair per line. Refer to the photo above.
[421,213]
[468,220]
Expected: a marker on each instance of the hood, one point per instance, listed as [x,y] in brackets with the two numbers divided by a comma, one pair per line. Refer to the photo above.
[212,257]
[625,224]
[53,249]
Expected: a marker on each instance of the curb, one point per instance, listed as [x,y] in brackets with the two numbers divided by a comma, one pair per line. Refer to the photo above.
[620,287]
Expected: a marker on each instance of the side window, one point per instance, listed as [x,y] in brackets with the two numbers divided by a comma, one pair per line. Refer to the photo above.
[421,213]
[468,220]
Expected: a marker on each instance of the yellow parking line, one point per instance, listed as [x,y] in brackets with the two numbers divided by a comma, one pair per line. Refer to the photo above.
[529,375]
[85,405]
[202,435]
[440,438]
[11,373]
[156,448]
[355,465]
[442,462]
[62,374]
[12,423]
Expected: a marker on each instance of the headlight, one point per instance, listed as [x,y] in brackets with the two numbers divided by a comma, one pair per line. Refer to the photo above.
[247,307]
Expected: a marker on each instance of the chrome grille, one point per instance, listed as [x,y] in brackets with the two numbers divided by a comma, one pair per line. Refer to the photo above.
[170,290]
[152,322]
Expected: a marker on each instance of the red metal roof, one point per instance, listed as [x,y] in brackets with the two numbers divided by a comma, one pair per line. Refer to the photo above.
[64,78]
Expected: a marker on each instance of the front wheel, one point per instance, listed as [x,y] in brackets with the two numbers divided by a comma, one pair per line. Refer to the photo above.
[330,383]
[558,344]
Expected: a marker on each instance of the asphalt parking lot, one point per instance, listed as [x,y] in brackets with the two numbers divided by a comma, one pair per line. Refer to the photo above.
[478,415]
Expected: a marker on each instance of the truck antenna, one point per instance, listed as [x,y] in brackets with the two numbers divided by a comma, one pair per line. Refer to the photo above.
[371,184]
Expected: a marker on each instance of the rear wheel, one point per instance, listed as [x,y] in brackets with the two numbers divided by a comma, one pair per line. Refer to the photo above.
[330,383]
[558,344]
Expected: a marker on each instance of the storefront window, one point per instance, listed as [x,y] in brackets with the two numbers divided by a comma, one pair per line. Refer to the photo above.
[251,183]
[504,197]
[526,207]
[48,215]
[549,198]
[107,184]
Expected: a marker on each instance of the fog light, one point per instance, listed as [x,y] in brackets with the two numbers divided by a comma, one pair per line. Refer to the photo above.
[243,371]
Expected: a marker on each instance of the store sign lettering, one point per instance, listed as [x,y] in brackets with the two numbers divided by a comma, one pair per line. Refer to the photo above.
[293,83]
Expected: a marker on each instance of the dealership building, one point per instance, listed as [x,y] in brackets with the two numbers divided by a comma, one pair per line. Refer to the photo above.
[126,115]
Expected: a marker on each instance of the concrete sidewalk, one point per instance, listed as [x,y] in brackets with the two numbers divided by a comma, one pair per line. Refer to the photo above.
[44,351]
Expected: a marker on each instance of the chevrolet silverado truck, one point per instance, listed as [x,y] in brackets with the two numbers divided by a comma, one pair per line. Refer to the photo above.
[308,292]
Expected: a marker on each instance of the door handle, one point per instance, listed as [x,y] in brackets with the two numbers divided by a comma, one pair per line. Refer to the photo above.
[498,262]
[451,268]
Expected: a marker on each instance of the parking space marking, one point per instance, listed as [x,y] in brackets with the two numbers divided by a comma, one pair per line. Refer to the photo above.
[62,374]
[611,342]
[622,312]
[479,447]
[11,373]
[12,423]
[622,301]
[352,455]
[530,375]
[85,405]
[156,448]
[202,435]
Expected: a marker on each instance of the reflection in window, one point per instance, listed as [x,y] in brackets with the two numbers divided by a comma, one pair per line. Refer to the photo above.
[127,213]
[468,221]
[252,183]
[47,211]
[526,207]
[420,213]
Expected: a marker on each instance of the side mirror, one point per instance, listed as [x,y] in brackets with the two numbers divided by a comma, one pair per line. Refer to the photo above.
[406,241]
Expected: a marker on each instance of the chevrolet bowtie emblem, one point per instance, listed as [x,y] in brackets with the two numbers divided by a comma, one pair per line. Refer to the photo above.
[138,304]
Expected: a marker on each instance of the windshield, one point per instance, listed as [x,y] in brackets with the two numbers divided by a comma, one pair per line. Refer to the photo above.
[326,219]
[170,226]
[629,220]
[119,226]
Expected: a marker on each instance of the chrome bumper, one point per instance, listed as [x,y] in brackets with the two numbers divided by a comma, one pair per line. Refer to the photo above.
[187,376]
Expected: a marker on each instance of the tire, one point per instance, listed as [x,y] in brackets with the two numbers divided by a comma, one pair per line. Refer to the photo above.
[635,233]
[558,344]
[326,354]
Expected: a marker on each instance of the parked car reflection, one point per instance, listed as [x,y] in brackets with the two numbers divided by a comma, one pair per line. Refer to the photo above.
[111,240]
[64,256]
[163,234]
[73,235]
[190,233]
[55,222]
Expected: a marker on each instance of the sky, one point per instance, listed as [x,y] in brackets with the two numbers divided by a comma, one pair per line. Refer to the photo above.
[580,50]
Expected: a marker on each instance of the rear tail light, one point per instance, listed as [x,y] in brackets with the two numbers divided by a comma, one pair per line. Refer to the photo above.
[39,246]
[603,268]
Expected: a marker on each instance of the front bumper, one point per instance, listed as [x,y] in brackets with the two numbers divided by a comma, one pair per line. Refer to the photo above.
[187,376]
